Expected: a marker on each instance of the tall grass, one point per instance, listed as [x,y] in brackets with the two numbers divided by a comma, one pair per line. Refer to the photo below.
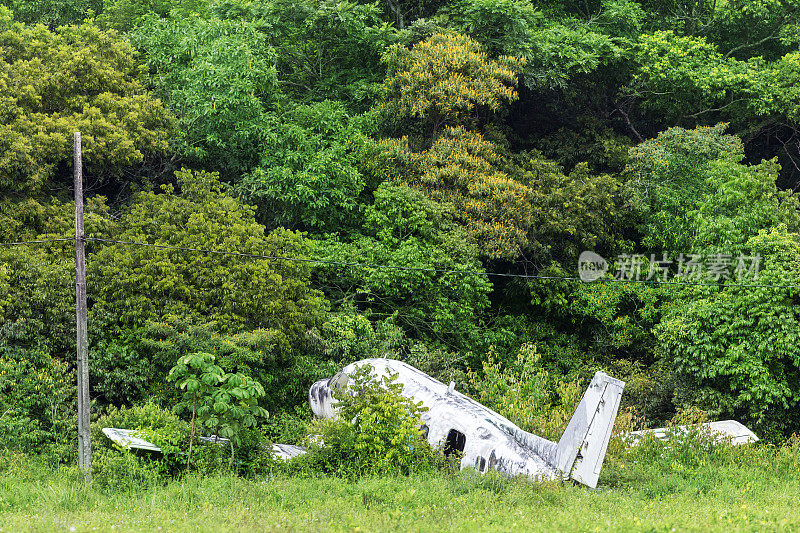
[694,485]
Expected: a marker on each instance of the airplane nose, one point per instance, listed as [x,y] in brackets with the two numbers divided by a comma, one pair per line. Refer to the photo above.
[319,398]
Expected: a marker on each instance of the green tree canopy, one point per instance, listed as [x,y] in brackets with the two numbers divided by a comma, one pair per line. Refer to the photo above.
[76,78]
[693,192]
[736,348]
[219,77]
[325,49]
[309,175]
[52,13]
[135,284]
[413,236]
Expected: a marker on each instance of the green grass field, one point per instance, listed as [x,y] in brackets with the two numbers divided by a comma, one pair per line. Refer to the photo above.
[753,488]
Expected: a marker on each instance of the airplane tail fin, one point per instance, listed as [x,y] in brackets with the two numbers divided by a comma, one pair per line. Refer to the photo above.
[582,448]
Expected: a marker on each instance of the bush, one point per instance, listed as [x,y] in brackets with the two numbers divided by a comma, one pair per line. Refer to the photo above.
[253,455]
[125,469]
[526,393]
[377,431]
[691,453]
[37,404]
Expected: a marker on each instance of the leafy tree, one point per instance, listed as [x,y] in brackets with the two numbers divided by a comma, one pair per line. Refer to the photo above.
[76,78]
[350,336]
[37,301]
[735,348]
[618,318]
[570,212]
[501,26]
[587,140]
[135,284]
[695,194]
[526,393]
[741,201]
[53,13]
[224,403]
[512,204]
[37,399]
[403,11]
[689,79]
[309,174]
[666,177]
[446,79]
[414,236]
[741,28]
[325,49]
[780,96]
[554,49]
[126,15]
[219,77]
[130,364]
[33,218]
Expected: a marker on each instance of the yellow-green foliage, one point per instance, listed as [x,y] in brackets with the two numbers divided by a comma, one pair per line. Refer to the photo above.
[445,78]
[461,168]
[526,393]
[388,433]
[377,430]
[37,395]
[77,78]
[151,283]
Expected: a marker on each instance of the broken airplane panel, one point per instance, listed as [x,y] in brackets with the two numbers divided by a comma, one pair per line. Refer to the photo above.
[725,430]
[488,440]
[128,439]
[287,451]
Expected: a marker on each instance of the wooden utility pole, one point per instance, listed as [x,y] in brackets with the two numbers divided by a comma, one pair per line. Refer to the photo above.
[84,443]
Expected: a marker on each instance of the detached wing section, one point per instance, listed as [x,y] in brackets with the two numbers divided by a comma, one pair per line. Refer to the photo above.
[582,448]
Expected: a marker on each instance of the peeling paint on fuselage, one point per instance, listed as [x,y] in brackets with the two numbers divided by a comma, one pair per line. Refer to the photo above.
[491,441]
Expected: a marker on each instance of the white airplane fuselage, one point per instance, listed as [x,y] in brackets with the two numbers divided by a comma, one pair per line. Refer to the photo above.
[486,439]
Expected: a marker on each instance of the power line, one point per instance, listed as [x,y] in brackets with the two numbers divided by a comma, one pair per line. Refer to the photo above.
[435,270]
[35,242]
[411,269]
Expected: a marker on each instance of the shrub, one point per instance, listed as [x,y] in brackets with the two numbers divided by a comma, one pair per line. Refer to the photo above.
[526,393]
[37,404]
[686,453]
[377,430]
[126,469]
[225,403]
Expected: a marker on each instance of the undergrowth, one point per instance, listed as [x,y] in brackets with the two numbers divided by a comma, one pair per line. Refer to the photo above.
[693,484]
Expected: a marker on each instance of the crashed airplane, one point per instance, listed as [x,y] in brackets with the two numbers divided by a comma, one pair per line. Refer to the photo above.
[485,439]
[488,440]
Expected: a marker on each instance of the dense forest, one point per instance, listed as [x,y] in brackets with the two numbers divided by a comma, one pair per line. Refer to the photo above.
[410,179]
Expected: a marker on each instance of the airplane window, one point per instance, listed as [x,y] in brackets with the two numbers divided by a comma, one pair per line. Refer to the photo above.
[455,442]
[425,431]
